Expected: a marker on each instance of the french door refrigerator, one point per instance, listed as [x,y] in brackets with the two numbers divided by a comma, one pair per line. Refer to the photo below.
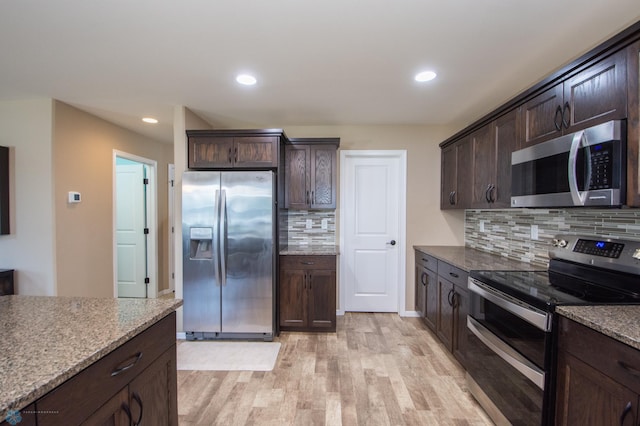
[228,222]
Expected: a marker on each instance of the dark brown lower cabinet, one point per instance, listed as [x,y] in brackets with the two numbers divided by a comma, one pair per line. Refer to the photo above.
[453,307]
[598,380]
[307,293]
[134,384]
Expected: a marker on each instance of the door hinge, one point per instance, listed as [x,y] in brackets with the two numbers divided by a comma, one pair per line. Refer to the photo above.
[172,230]
[145,181]
[146,280]
[171,182]
[173,275]
[146,231]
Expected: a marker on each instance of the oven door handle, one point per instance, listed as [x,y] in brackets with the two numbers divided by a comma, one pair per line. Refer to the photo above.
[504,351]
[533,316]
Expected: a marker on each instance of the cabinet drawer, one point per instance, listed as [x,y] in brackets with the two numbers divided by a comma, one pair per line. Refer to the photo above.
[613,358]
[456,275]
[308,262]
[73,401]
[426,261]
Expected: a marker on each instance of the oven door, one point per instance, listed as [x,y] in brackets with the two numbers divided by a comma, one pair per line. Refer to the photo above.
[507,351]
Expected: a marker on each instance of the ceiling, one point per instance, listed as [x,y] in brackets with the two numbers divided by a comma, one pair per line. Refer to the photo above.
[329,62]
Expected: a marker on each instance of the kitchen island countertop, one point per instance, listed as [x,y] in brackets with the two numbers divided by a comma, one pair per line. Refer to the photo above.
[620,322]
[46,340]
[469,259]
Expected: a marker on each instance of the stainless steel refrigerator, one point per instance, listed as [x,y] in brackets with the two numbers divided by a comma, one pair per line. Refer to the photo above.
[228,223]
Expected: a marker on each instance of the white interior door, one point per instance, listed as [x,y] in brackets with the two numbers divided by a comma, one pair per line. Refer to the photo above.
[372,229]
[130,237]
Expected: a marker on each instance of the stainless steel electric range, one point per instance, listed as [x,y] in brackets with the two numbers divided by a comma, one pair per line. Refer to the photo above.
[512,321]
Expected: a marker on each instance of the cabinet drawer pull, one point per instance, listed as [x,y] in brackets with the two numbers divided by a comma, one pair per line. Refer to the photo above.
[423,278]
[566,121]
[235,155]
[625,412]
[450,297]
[630,369]
[229,156]
[308,263]
[137,399]
[425,260]
[127,411]
[557,119]
[128,366]
[454,275]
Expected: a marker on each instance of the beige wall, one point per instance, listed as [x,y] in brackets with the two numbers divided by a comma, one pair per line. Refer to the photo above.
[83,148]
[26,128]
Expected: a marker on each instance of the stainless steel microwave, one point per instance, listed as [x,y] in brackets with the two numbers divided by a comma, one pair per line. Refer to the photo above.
[585,168]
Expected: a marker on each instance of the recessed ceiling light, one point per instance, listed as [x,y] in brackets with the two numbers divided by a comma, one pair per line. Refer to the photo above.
[150,120]
[425,76]
[246,79]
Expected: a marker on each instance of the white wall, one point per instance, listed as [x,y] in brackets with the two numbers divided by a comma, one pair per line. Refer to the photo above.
[26,127]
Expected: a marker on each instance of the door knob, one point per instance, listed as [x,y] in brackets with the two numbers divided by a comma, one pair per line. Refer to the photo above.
[392,242]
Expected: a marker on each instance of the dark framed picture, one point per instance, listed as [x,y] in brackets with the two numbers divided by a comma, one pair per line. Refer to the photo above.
[4,190]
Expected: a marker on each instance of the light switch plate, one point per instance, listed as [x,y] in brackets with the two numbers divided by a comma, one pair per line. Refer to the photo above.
[309,223]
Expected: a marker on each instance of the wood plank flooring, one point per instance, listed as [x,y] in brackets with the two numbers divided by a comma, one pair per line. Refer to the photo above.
[378,369]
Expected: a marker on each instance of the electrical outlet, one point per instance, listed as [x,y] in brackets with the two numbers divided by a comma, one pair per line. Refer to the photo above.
[534,232]
[482,226]
[325,223]
[309,223]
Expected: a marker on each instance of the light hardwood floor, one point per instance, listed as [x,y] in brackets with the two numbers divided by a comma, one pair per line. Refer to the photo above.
[378,369]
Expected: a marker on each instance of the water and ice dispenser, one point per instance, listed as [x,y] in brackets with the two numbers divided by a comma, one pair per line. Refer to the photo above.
[201,243]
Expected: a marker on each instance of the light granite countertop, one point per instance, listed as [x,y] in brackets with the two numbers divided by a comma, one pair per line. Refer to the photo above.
[469,259]
[46,340]
[621,322]
[311,250]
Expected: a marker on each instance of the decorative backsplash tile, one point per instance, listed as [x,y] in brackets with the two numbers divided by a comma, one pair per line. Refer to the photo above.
[311,227]
[508,232]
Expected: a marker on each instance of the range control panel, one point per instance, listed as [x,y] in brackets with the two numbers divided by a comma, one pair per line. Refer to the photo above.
[598,248]
[609,253]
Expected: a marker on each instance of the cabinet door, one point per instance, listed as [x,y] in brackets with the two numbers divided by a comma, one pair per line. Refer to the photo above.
[210,152]
[506,141]
[152,395]
[293,298]
[255,151]
[460,330]
[585,396]
[445,318]
[297,176]
[483,160]
[464,174]
[322,299]
[633,124]
[449,172]
[112,413]
[323,177]
[541,117]
[420,293]
[597,94]
[431,298]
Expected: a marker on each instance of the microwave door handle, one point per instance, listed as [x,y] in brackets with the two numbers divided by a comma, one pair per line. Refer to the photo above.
[577,197]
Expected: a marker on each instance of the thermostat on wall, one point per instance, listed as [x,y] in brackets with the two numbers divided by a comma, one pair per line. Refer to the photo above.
[74,197]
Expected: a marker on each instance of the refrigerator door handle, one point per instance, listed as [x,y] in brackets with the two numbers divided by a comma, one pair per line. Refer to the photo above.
[216,238]
[223,238]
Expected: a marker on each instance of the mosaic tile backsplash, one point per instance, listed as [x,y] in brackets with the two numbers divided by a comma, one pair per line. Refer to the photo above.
[508,232]
[311,227]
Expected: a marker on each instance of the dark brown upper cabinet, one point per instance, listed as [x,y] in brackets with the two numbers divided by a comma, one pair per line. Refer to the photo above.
[491,147]
[633,124]
[592,96]
[456,175]
[310,173]
[226,149]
